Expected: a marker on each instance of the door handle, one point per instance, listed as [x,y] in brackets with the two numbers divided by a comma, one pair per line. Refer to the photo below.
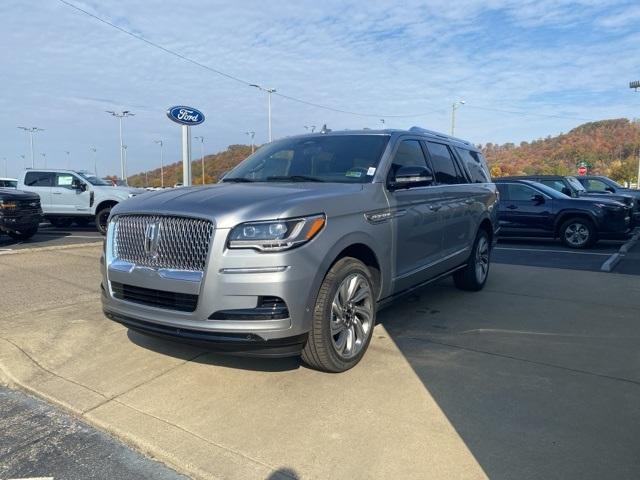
[435,208]
[57,193]
[511,207]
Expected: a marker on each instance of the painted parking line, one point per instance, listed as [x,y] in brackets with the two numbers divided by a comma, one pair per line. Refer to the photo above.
[546,250]
[70,236]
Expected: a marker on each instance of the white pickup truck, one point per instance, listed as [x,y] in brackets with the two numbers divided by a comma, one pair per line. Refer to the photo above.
[70,196]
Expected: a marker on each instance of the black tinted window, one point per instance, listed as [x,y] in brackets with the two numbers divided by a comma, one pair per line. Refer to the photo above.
[520,192]
[444,166]
[39,179]
[409,154]
[476,165]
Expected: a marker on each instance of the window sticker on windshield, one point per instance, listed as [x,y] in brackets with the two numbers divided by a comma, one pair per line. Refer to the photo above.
[353,173]
[371,172]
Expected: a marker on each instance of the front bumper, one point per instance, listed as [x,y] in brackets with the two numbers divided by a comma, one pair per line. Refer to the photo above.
[18,223]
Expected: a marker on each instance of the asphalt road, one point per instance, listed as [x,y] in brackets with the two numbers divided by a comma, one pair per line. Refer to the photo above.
[40,441]
[48,236]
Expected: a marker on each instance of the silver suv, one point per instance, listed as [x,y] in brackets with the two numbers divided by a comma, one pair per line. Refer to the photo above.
[300,244]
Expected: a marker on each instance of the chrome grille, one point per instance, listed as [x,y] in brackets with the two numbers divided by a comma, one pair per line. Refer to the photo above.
[183,243]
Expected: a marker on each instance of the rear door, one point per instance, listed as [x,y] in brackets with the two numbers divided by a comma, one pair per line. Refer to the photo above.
[40,183]
[417,223]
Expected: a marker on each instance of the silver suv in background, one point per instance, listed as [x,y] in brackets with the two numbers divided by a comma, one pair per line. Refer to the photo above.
[301,243]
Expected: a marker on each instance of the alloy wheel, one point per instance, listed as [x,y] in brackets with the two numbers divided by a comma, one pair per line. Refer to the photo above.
[482,259]
[577,234]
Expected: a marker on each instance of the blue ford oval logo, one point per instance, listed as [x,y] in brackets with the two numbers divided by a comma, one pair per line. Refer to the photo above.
[185,115]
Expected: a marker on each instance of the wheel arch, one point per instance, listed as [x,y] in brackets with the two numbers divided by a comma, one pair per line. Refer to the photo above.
[564,215]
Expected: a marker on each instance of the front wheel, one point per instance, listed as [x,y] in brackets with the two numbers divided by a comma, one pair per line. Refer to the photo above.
[343,318]
[101,220]
[474,275]
[578,233]
[24,234]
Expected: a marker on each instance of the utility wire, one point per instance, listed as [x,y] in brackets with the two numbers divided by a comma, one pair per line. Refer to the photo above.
[288,97]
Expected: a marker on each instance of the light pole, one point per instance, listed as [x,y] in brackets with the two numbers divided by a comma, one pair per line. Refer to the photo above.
[31,131]
[146,178]
[636,85]
[382,122]
[44,159]
[251,134]
[124,163]
[201,138]
[22,157]
[159,142]
[5,166]
[95,161]
[68,158]
[454,107]
[269,92]
[120,116]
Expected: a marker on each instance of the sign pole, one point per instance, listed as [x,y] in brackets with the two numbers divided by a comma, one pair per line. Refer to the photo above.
[186,155]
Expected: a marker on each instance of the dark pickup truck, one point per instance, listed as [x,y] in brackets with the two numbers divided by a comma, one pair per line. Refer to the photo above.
[20,213]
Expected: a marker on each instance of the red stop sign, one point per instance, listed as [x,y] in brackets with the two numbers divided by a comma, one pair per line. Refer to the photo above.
[582,170]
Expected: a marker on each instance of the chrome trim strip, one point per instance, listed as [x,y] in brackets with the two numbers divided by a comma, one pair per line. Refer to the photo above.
[183,275]
[429,265]
[256,269]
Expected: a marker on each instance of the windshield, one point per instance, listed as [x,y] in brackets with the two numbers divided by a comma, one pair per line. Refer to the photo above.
[611,183]
[575,184]
[322,158]
[93,180]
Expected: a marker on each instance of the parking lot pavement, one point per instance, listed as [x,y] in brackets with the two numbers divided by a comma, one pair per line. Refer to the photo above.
[537,376]
[630,262]
[49,236]
[37,440]
[552,254]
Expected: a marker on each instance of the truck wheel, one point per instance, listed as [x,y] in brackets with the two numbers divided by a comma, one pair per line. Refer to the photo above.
[578,232]
[60,222]
[25,234]
[101,220]
[343,318]
[474,275]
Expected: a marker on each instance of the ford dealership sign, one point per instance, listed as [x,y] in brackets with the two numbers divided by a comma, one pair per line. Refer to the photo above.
[185,115]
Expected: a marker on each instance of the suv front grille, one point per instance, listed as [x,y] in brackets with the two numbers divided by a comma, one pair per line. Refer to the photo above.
[182,302]
[182,243]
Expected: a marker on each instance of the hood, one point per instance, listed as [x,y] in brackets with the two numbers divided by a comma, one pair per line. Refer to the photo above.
[228,204]
[626,199]
[593,199]
[13,194]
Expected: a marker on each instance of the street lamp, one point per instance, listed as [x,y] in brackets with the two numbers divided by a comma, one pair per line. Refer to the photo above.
[159,142]
[636,85]
[454,107]
[124,163]
[382,122]
[251,134]
[95,161]
[201,154]
[31,131]
[68,158]
[120,116]
[269,92]
[44,159]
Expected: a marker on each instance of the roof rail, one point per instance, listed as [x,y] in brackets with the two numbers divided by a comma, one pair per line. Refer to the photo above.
[438,134]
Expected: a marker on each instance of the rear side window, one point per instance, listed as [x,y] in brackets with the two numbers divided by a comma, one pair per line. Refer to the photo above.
[475,164]
[39,179]
[444,165]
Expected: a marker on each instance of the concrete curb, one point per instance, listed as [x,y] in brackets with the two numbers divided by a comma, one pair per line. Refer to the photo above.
[51,248]
[614,259]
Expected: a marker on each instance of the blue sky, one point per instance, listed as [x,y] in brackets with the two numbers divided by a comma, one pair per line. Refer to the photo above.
[561,62]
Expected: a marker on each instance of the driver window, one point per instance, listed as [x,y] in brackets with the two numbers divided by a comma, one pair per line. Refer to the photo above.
[64,180]
[409,154]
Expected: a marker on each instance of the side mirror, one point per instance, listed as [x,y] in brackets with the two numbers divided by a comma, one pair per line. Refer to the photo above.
[411,176]
[610,189]
[537,199]
[78,185]
[567,191]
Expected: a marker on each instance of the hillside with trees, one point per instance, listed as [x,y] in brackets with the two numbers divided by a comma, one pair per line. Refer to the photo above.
[608,147]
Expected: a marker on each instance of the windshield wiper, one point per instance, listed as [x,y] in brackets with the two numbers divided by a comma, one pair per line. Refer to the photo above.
[237,180]
[294,178]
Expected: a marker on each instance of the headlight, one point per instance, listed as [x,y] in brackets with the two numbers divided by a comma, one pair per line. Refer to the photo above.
[607,206]
[276,235]
[7,205]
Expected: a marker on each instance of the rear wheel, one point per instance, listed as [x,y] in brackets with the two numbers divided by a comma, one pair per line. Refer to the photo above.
[101,219]
[578,233]
[24,234]
[474,275]
[343,318]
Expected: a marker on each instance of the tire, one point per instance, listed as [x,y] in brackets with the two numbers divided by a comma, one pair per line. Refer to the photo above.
[473,276]
[101,220]
[343,318]
[25,234]
[61,222]
[578,232]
